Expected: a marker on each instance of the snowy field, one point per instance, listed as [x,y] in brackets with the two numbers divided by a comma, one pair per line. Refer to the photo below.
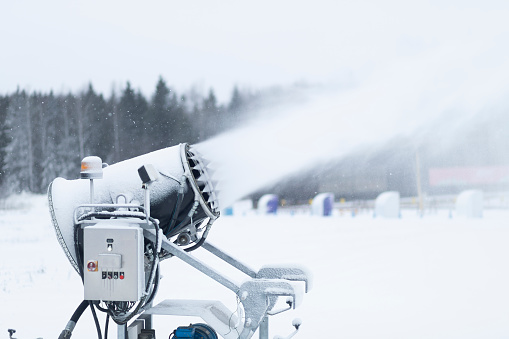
[435,277]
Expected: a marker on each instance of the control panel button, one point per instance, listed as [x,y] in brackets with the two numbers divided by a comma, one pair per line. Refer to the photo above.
[92,265]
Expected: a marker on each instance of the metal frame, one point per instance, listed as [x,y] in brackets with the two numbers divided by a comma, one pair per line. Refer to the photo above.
[258,295]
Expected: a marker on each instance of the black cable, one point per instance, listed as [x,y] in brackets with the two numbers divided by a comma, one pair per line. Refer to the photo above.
[97,326]
[102,309]
[77,250]
[195,246]
[79,311]
[67,332]
[179,227]
[202,239]
[180,198]
[155,288]
[106,325]
[183,223]
[154,260]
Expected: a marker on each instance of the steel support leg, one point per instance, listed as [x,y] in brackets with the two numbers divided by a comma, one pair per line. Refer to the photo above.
[122,331]
[263,330]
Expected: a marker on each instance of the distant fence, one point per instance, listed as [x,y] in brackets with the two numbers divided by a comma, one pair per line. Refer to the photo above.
[431,204]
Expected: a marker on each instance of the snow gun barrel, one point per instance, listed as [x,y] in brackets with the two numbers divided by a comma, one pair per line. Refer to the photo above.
[183,198]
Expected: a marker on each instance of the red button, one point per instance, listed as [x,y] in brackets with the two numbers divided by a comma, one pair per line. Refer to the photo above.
[92,266]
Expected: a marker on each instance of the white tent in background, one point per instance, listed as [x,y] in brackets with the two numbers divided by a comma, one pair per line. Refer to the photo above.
[268,204]
[470,204]
[322,204]
[387,205]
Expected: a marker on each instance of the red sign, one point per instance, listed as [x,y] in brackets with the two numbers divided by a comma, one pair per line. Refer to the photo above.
[460,176]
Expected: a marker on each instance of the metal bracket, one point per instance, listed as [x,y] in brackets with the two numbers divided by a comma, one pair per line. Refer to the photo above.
[257,295]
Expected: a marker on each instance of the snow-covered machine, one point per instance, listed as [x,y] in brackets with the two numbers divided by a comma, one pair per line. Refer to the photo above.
[116,223]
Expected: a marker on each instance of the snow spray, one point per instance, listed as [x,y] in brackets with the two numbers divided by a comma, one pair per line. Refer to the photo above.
[397,100]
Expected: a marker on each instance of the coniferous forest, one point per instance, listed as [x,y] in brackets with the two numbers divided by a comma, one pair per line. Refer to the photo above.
[45,135]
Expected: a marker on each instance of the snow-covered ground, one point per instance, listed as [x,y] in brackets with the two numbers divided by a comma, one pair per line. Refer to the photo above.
[430,277]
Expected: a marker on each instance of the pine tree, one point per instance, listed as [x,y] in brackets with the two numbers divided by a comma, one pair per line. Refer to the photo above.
[52,165]
[157,123]
[140,135]
[184,130]
[211,116]
[19,157]
[99,125]
[39,127]
[112,105]
[168,118]
[4,137]
[127,122]
[177,122]
[68,148]
[235,109]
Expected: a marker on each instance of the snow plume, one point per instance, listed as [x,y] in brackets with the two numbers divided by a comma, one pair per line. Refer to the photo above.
[449,84]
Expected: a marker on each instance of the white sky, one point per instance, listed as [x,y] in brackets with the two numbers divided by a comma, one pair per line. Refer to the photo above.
[63,45]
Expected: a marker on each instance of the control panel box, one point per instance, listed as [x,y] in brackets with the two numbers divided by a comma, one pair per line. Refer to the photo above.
[113,263]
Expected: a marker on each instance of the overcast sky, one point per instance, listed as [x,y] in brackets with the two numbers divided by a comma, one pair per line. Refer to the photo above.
[63,45]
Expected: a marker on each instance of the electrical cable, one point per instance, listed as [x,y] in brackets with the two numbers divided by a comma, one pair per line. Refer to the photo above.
[105,310]
[189,215]
[202,239]
[231,317]
[79,311]
[106,325]
[180,198]
[154,289]
[96,320]
[77,250]
[67,332]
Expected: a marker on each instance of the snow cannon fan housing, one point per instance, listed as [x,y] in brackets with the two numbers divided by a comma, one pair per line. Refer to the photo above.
[183,198]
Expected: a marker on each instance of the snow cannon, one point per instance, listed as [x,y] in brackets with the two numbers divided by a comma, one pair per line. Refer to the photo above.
[387,205]
[183,198]
[116,223]
[469,204]
[323,204]
[268,204]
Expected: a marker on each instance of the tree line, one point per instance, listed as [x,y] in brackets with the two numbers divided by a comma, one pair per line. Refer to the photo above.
[45,135]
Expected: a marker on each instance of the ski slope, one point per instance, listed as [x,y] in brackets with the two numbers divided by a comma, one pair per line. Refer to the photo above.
[430,277]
